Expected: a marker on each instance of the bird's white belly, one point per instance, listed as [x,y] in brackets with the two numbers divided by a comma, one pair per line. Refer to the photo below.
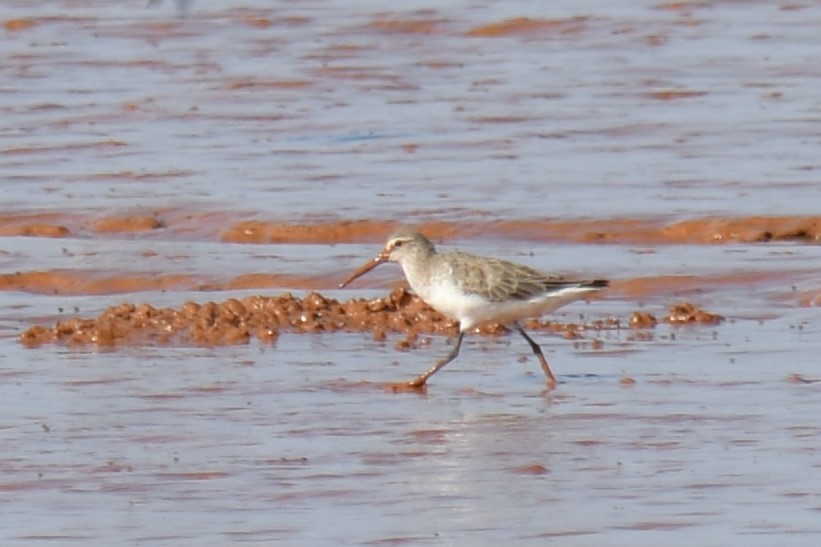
[449,300]
[473,309]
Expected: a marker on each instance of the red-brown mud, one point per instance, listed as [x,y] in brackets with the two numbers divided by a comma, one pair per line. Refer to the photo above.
[525,26]
[673,94]
[255,231]
[33,225]
[682,285]
[85,282]
[642,320]
[34,229]
[210,225]
[686,313]
[15,25]
[68,282]
[128,123]
[81,282]
[709,230]
[237,321]
[406,26]
[130,224]
[644,231]
[810,298]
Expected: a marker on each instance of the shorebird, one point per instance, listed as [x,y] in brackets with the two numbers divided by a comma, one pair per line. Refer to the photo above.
[475,290]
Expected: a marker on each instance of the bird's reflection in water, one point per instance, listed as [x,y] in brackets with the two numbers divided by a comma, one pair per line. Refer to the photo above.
[182,5]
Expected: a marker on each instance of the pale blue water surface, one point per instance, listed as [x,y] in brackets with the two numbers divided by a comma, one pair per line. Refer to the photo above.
[305,111]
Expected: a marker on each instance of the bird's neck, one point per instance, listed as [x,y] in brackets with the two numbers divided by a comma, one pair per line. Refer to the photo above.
[417,270]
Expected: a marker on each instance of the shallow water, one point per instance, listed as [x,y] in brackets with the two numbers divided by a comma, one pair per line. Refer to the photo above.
[250,444]
[249,148]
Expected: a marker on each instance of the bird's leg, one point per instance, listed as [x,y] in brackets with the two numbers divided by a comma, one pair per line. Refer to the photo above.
[420,380]
[551,380]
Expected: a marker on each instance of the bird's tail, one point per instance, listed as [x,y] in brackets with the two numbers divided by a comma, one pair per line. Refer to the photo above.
[595,284]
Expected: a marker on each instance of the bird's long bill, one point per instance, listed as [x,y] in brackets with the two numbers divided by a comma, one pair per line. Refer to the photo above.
[365,268]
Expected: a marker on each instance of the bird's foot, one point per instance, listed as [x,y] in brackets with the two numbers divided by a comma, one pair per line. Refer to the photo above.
[415,386]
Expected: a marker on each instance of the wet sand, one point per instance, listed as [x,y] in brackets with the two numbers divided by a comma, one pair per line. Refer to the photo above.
[183,195]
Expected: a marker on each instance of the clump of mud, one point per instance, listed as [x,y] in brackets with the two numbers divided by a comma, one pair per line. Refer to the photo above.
[265,317]
[686,313]
[679,314]
[237,321]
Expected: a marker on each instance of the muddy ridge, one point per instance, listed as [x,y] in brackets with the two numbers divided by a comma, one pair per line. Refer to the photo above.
[85,282]
[100,282]
[176,223]
[236,321]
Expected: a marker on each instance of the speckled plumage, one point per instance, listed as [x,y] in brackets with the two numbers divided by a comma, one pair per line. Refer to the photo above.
[476,289]
[499,280]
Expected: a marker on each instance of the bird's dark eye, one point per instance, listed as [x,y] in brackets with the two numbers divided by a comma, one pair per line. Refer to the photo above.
[397,244]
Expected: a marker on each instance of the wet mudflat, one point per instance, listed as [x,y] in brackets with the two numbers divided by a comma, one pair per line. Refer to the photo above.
[185,170]
[717,437]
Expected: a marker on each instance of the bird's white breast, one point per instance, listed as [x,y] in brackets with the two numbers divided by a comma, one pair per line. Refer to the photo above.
[472,309]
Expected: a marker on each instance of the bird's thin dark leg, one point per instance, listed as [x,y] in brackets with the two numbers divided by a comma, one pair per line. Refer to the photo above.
[551,380]
[420,380]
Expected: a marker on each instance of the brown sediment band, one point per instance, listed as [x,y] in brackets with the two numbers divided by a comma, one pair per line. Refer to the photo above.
[530,27]
[70,147]
[639,287]
[213,224]
[272,281]
[204,225]
[651,232]
[33,225]
[255,231]
[673,94]
[256,21]
[69,282]
[237,321]
[251,83]
[405,26]
[127,224]
[709,230]
[82,282]
[16,25]
[745,230]
[131,175]
[89,282]
[34,230]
